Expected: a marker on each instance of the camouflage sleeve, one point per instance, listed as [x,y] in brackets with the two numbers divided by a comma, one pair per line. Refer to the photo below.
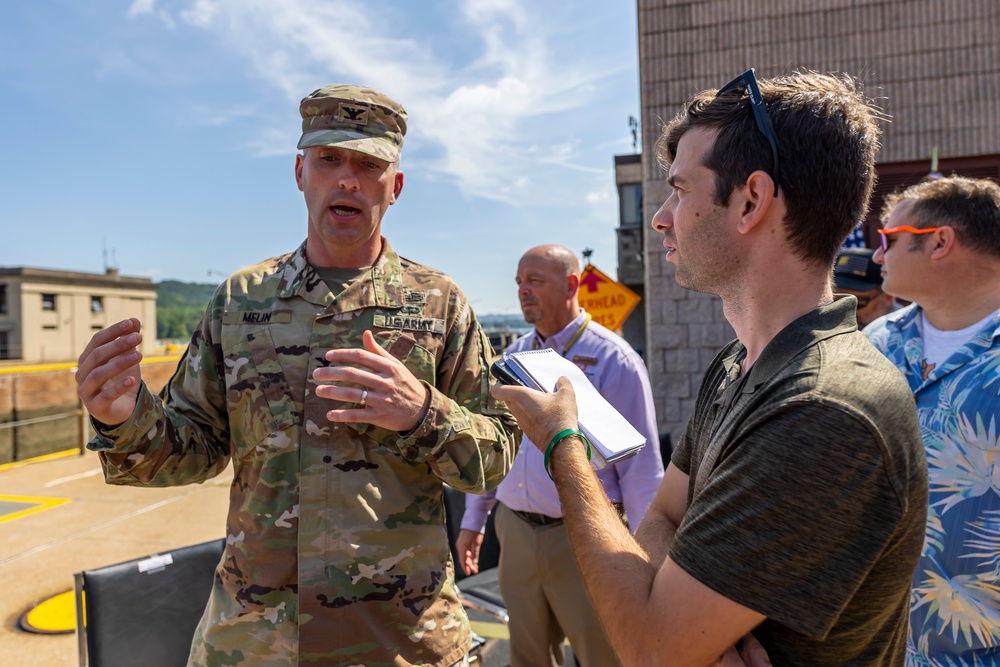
[179,437]
[468,438]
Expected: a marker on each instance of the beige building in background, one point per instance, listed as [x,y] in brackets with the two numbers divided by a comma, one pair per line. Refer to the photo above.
[49,316]
[934,66]
[631,244]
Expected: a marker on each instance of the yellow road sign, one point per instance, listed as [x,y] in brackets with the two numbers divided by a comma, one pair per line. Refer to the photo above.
[608,301]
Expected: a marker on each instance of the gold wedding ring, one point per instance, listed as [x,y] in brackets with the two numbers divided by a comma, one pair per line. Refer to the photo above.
[364,398]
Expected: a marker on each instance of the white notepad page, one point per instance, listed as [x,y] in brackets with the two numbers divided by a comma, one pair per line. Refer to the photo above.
[611,435]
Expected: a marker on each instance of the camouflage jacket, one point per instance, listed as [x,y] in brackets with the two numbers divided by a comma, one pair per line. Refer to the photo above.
[337,552]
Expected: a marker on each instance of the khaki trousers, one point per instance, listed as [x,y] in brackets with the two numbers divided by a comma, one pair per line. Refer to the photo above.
[545,597]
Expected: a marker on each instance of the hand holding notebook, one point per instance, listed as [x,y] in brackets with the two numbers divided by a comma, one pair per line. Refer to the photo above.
[611,435]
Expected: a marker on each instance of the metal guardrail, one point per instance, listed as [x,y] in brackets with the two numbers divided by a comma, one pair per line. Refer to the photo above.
[14,369]
[79,412]
[39,420]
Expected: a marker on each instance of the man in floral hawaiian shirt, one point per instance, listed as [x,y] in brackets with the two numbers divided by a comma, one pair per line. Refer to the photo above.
[941,249]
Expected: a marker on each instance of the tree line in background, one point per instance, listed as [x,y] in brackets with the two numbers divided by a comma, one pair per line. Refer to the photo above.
[179,307]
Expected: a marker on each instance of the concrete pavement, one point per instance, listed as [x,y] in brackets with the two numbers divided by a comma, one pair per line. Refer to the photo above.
[58,517]
[44,542]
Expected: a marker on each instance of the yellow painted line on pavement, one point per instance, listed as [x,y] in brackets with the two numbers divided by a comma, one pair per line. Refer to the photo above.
[38,459]
[37,368]
[490,630]
[161,359]
[37,505]
[71,365]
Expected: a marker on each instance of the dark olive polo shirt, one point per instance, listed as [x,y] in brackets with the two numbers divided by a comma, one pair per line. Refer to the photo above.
[808,492]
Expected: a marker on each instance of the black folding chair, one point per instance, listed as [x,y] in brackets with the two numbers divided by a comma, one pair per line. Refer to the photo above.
[480,592]
[143,612]
[454,508]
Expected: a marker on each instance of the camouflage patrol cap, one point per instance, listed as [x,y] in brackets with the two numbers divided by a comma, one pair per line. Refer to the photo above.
[353,117]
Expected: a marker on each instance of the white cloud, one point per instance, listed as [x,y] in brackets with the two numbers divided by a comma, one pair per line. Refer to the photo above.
[598,196]
[272,142]
[140,7]
[201,14]
[297,43]
[119,62]
[202,116]
[603,203]
[493,123]
[144,7]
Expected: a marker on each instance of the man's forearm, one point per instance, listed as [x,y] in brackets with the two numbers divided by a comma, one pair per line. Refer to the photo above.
[655,535]
[616,570]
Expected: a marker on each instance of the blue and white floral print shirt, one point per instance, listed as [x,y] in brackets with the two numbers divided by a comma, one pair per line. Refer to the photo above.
[955,606]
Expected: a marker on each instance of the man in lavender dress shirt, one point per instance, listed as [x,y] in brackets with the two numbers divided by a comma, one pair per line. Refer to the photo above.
[539,578]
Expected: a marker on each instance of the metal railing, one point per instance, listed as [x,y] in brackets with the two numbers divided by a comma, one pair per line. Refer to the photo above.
[79,412]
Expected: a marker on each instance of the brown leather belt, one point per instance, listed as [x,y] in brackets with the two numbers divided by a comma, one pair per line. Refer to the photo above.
[536,519]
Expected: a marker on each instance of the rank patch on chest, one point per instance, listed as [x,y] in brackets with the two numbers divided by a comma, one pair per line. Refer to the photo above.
[416,298]
[256,317]
[428,324]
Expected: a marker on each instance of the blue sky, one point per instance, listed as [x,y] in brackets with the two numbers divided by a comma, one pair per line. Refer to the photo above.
[159,136]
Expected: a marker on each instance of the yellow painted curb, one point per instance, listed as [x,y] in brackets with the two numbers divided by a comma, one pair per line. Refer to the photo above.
[71,365]
[53,616]
[490,630]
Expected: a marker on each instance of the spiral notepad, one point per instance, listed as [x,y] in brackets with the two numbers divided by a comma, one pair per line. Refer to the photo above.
[612,436]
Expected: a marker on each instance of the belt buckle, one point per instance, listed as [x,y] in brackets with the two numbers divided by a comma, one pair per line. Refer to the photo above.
[537,519]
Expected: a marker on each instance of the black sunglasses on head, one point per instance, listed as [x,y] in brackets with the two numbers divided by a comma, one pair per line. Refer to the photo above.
[748,81]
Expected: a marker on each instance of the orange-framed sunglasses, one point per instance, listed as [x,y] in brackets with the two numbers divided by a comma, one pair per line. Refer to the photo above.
[886,232]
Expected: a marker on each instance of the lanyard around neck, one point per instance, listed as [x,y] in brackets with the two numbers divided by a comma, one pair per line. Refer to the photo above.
[572,341]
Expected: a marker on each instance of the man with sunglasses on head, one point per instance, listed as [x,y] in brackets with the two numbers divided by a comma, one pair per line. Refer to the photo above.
[941,249]
[794,502]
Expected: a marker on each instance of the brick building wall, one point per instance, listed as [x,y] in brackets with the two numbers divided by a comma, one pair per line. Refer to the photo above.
[933,66]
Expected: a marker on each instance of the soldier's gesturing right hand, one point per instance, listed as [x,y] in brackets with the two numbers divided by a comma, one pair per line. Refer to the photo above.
[108,376]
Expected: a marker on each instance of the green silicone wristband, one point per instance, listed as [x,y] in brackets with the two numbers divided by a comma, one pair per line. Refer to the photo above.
[559,437]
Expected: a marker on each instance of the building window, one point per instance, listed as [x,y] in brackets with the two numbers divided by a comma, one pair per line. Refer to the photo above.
[631,205]
[48,302]
[97,305]
[3,299]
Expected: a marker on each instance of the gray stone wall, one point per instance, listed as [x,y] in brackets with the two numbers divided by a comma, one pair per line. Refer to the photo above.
[933,65]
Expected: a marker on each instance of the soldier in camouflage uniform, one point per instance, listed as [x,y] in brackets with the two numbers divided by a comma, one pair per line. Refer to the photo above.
[345,383]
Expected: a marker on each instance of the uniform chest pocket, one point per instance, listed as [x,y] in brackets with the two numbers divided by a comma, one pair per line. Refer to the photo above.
[258,396]
[418,359]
